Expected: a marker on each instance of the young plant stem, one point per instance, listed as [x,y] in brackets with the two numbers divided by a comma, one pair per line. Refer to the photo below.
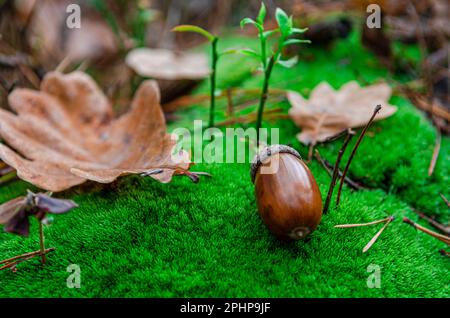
[263,98]
[440,237]
[348,138]
[352,154]
[42,242]
[214,58]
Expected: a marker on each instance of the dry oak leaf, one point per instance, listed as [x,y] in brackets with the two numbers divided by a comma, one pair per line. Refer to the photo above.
[329,111]
[66,133]
[168,65]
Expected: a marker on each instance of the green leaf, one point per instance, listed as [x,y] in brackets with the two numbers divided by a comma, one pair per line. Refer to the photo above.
[295,41]
[284,22]
[262,14]
[266,34]
[289,63]
[250,52]
[298,30]
[195,29]
[230,51]
[252,22]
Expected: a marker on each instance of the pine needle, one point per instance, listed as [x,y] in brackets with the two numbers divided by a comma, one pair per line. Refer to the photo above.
[374,239]
[440,237]
[344,226]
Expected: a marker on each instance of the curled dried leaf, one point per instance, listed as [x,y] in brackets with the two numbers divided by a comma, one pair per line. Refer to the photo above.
[66,133]
[168,65]
[329,111]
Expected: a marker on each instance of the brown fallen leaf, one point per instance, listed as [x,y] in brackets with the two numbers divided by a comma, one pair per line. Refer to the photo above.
[66,133]
[52,41]
[168,65]
[329,111]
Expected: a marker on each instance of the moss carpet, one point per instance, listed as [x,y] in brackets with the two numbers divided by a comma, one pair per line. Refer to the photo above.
[139,238]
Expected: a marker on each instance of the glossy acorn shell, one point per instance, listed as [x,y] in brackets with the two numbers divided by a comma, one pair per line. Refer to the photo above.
[289,200]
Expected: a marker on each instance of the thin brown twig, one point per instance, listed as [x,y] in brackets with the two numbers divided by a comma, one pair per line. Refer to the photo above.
[445,199]
[436,150]
[441,227]
[444,253]
[375,238]
[333,137]
[351,183]
[348,138]
[14,261]
[270,114]
[440,237]
[352,154]
[189,100]
[329,169]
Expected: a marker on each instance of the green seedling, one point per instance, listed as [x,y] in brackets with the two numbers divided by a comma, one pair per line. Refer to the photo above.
[214,59]
[271,56]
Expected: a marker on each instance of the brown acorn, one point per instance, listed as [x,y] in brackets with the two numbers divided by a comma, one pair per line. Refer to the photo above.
[287,195]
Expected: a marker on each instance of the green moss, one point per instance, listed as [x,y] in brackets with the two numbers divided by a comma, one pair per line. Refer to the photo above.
[140,238]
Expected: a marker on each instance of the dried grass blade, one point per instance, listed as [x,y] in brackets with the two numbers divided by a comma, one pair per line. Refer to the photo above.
[374,239]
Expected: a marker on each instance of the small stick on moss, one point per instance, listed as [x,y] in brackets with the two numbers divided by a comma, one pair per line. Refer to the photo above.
[374,239]
[350,134]
[445,199]
[329,169]
[440,237]
[344,226]
[441,227]
[351,183]
[347,166]
[434,157]
[444,253]
[13,261]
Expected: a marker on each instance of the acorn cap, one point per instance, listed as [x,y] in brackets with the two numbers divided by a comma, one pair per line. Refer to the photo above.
[268,151]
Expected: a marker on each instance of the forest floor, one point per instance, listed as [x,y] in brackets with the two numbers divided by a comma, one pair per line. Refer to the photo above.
[140,238]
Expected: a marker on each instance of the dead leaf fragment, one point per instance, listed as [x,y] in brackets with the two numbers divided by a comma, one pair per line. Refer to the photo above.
[66,133]
[168,65]
[52,40]
[329,111]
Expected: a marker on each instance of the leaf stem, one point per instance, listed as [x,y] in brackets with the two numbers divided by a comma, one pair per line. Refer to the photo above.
[263,97]
[347,166]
